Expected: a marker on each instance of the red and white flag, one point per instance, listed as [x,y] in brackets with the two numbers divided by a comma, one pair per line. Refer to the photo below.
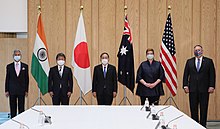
[168,56]
[80,58]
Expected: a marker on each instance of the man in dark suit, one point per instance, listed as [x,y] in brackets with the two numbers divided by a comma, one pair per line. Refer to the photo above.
[199,82]
[60,82]
[104,84]
[16,84]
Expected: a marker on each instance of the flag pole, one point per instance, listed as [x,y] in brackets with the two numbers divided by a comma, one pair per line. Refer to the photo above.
[81,99]
[125,90]
[39,98]
[124,87]
[170,98]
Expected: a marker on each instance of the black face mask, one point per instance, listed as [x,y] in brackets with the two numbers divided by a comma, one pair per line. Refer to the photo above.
[198,53]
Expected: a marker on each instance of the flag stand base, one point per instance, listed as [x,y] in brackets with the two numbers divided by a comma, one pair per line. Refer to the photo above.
[81,99]
[125,97]
[171,100]
[39,99]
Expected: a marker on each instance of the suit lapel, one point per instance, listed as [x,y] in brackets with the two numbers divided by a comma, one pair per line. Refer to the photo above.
[64,70]
[101,70]
[194,64]
[202,64]
[57,71]
[14,71]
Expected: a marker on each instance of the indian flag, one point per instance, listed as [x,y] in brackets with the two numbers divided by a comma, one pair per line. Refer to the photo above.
[40,64]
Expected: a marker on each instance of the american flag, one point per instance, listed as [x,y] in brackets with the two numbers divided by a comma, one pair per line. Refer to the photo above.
[168,56]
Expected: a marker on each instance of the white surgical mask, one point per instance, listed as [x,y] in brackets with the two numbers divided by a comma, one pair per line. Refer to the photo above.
[17,58]
[60,62]
[104,61]
[150,56]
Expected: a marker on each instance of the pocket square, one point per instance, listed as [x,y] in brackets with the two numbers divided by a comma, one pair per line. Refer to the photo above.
[23,68]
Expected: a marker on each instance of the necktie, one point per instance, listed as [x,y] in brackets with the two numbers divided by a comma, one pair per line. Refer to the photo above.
[17,69]
[60,71]
[104,72]
[198,65]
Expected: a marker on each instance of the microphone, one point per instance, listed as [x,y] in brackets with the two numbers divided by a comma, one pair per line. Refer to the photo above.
[155,116]
[152,107]
[157,125]
[167,127]
[146,105]
[47,118]
[21,124]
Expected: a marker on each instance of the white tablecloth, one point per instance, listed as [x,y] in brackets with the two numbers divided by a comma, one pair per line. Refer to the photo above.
[99,117]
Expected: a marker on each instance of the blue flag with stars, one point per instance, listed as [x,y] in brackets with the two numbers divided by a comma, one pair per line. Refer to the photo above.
[126,59]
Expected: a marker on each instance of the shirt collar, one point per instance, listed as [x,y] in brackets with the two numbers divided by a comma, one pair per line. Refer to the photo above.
[19,63]
[60,66]
[199,58]
[104,66]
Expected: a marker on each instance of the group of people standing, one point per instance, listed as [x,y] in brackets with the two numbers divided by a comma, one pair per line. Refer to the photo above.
[198,81]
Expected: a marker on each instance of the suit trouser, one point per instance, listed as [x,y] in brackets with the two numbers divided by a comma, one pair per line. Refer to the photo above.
[60,99]
[197,100]
[151,99]
[16,100]
[104,98]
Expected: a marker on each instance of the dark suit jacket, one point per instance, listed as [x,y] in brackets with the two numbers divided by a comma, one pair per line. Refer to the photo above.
[109,83]
[150,73]
[202,80]
[16,85]
[60,85]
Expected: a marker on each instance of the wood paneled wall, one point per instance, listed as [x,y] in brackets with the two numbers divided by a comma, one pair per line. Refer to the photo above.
[194,22]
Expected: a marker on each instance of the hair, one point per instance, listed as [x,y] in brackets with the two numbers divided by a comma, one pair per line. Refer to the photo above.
[16,50]
[197,46]
[60,55]
[149,49]
[103,54]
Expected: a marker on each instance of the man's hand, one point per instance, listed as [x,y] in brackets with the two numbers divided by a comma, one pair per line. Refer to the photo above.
[51,94]
[211,90]
[6,94]
[186,89]
[26,94]
[94,94]
[114,94]
[69,94]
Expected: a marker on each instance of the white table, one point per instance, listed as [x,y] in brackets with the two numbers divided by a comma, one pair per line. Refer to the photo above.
[99,117]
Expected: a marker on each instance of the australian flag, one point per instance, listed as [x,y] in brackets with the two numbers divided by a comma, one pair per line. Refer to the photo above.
[126,59]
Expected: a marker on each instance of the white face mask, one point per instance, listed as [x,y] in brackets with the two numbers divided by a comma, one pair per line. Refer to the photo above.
[104,61]
[17,58]
[150,56]
[60,62]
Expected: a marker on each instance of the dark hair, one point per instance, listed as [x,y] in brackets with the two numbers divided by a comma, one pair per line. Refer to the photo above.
[197,46]
[16,50]
[103,54]
[149,49]
[60,55]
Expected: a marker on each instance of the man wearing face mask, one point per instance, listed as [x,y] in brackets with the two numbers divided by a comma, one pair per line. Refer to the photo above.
[104,84]
[16,84]
[150,76]
[199,82]
[60,82]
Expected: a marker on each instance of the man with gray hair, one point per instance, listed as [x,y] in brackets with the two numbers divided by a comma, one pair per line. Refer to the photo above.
[16,83]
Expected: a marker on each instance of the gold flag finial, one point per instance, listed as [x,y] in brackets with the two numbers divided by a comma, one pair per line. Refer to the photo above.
[126,7]
[81,7]
[169,7]
[39,8]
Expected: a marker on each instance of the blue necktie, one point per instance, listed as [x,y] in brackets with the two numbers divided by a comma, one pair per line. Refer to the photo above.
[104,72]
[198,65]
